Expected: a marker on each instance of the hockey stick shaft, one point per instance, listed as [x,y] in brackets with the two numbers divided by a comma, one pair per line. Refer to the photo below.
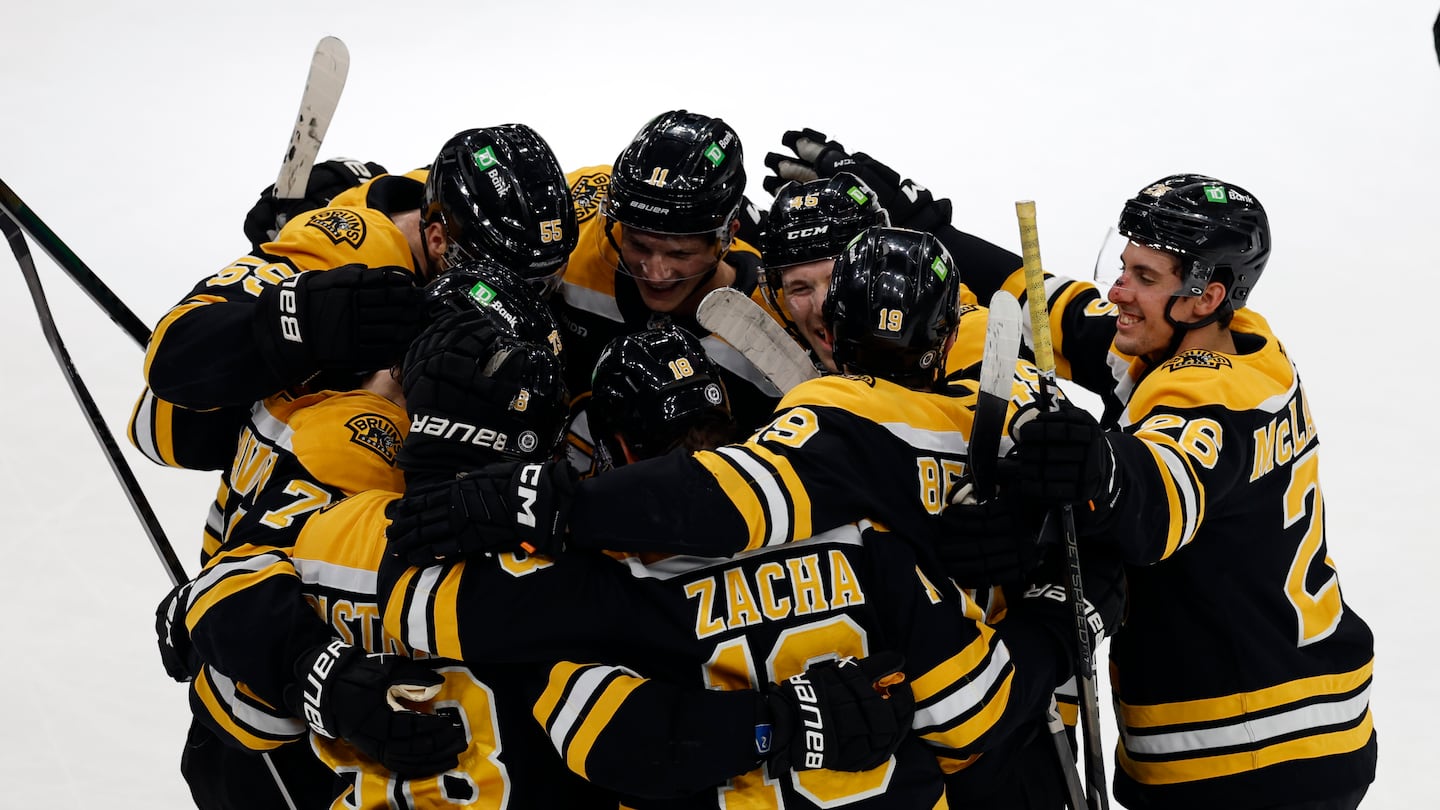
[26,218]
[122,471]
[1045,361]
[329,67]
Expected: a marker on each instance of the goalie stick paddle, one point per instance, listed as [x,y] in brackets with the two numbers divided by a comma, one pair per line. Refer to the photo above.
[328,69]
[997,376]
[1035,297]
[122,471]
[744,324]
[63,256]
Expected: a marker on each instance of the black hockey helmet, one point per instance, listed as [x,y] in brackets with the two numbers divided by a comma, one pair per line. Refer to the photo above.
[650,387]
[500,193]
[813,221]
[683,174]
[1219,231]
[894,301]
[513,306]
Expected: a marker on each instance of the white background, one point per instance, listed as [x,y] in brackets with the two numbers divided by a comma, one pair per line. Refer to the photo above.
[142,132]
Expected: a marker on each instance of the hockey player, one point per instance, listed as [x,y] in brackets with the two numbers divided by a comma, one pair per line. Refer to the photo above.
[658,232]
[263,327]
[1242,677]
[884,571]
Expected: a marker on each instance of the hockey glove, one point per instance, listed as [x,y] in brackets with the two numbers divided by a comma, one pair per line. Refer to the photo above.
[1102,577]
[504,507]
[446,383]
[176,652]
[909,204]
[352,318]
[990,542]
[845,715]
[270,213]
[343,692]
[1065,458]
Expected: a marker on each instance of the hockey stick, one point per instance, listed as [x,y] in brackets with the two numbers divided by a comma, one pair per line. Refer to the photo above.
[328,68]
[742,323]
[1045,361]
[107,300]
[997,376]
[87,404]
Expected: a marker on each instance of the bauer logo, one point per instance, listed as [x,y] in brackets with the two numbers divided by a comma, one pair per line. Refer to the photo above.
[1216,194]
[715,154]
[482,294]
[485,158]
[375,433]
[340,225]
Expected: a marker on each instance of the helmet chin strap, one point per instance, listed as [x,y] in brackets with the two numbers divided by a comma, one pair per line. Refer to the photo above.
[1181,328]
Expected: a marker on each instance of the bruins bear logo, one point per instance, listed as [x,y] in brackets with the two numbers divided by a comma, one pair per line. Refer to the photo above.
[340,225]
[588,192]
[374,432]
[1198,358]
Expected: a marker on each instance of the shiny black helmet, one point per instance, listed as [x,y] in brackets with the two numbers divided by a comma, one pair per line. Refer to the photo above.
[813,221]
[500,193]
[510,304]
[650,388]
[894,301]
[683,174]
[1219,231]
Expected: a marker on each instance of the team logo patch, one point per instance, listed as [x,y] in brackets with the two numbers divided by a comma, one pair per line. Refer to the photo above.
[528,441]
[713,395]
[375,433]
[588,192]
[1197,358]
[340,225]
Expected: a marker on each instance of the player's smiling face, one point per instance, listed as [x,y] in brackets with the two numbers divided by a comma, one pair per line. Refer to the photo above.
[666,268]
[1142,292]
[806,286]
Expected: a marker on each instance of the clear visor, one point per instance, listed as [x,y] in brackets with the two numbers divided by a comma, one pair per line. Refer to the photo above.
[1109,265]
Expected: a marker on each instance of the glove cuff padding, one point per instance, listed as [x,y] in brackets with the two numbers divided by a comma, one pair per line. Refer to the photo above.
[848,715]
[351,318]
[343,692]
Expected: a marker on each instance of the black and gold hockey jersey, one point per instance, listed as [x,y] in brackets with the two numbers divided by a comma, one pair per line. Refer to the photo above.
[204,377]
[839,449]
[596,305]
[255,609]
[736,624]
[1241,677]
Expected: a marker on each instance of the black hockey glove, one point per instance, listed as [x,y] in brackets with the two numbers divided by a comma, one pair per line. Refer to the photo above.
[177,653]
[343,692]
[445,383]
[1065,458]
[845,715]
[990,542]
[352,318]
[909,204]
[508,506]
[1102,576]
[269,214]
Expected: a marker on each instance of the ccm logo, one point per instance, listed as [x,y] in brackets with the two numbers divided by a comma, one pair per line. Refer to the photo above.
[527,493]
